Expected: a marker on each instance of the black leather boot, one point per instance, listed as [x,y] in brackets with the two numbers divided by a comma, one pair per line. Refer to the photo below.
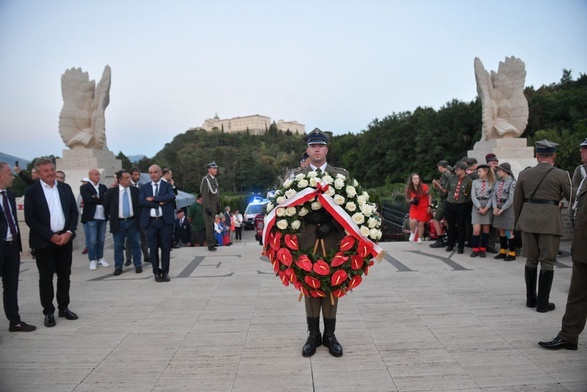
[334,348]
[544,286]
[314,338]
[530,275]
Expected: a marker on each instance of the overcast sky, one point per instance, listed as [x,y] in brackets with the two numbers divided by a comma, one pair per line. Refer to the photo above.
[336,65]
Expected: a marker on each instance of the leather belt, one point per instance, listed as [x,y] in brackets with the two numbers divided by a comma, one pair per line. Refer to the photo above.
[541,201]
[126,219]
[482,198]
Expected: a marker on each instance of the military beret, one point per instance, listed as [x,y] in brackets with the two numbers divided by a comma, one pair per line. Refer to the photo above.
[491,158]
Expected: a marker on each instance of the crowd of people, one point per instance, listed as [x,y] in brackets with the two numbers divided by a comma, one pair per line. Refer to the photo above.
[478,204]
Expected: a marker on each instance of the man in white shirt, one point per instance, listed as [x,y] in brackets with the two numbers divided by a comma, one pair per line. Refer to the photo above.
[94,217]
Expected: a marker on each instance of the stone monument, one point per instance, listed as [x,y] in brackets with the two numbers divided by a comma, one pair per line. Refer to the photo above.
[505,114]
[82,127]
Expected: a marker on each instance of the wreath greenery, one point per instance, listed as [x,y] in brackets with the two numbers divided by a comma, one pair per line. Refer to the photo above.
[320,272]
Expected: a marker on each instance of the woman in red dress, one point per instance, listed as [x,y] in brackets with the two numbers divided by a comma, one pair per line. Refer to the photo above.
[420,199]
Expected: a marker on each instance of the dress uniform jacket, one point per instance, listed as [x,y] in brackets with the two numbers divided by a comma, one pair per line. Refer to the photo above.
[541,214]
[307,235]
[579,248]
[209,191]
[506,220]
[464,190]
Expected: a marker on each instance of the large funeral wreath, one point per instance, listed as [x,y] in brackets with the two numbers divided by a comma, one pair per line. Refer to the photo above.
[316,271]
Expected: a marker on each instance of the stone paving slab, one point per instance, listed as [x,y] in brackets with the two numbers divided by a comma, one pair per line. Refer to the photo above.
[423,320]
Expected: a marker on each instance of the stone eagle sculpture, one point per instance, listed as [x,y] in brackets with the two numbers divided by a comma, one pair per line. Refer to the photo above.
[81,122]
[505,108]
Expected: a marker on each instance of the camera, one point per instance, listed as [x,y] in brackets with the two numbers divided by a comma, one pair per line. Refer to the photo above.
[416,201]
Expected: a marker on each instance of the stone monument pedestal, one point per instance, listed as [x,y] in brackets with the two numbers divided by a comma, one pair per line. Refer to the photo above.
[515,151]
[76,163]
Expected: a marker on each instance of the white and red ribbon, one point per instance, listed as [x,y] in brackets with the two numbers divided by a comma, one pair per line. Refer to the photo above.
[337,212]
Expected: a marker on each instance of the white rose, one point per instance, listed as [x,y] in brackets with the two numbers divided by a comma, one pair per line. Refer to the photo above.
[303,183]
[372,222]
[312,174]
[366,209]
[339,183]
[355,183]
[338,199]
[280,211]
[290,211]
[329,180]
[375,234]
[295,224]
[330,191]
[300,177]
[316,205]
[366,195]
[351,191]
[350,206]
[290,193]
[281,224]
[361,200]
[280,199]
[364,231]
[287,183]
[303,211]
[358,218]
[341,176]
[269,206]
[313,182]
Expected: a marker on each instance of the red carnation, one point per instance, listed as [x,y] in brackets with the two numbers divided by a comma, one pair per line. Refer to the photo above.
[338,277]
[321,268]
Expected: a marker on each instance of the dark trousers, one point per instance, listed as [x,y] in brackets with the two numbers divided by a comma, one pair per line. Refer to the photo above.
[144,246]
[238,233]
[9,269]
[576,312]
[159,237]
[209,222]
[456,220]
[51,260]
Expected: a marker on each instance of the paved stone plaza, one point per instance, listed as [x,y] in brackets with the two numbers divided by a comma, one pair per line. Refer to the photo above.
[423,320]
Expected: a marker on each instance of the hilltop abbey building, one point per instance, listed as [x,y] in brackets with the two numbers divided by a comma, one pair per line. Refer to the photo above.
[255,124]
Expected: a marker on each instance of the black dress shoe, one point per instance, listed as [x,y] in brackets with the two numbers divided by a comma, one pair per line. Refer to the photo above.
[166,277]
[557,344]
[460,251]
[212,248]
[50,320]
[22,327]
[127,263]
[500,256]
[117,272]
[450,248]
[138,270]
[68,314]
[158,278]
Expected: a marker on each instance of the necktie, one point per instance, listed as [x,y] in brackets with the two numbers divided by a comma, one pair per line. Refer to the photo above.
[499,191]
[8,214]
[125,204]
[319,171]
[458,189]
[482,188]
[156,194]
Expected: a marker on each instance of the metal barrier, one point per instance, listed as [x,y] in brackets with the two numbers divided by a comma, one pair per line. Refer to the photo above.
[393,217]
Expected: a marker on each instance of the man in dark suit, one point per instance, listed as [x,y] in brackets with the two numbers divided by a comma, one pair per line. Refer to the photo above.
[135,178]
[94,217]
[51,214]
[183,230]
[10,248]
[156,202]
[121,204]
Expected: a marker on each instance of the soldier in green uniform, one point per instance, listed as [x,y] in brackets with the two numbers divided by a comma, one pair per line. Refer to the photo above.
[210,201]
[458,198]
[537,196]
[442,186]
[320,225]
[573,322]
